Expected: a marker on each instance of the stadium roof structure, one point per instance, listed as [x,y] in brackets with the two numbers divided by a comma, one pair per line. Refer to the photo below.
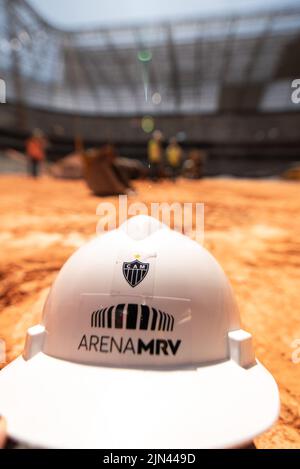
[201,65]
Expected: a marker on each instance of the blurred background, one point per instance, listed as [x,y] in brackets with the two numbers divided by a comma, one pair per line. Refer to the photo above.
[181,101]
[216,75]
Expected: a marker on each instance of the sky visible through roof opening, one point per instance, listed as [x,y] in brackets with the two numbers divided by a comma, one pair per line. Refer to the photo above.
[69,14]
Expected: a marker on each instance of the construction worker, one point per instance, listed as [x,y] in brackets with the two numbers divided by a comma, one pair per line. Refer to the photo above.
[155,154]
[174,157]
[36,152]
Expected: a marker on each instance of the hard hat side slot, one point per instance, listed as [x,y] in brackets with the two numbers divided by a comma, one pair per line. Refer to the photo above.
[34,341]
[241,348]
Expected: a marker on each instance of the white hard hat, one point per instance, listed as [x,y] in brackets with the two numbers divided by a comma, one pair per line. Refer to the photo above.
[140,347]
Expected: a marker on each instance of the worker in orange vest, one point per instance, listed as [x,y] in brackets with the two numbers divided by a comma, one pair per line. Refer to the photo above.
[36,152]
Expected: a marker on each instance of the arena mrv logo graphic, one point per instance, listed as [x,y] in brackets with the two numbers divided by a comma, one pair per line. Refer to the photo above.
[130,317]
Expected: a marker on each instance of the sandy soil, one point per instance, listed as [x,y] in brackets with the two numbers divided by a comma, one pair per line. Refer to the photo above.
[252,227]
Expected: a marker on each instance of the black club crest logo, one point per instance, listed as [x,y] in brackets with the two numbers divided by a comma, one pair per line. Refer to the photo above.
[135,272]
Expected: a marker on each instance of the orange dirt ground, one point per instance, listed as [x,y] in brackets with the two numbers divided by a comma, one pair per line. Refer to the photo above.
[252,227]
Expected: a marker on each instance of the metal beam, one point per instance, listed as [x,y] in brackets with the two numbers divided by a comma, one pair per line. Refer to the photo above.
[198,54]
[80,75]
[21,113]
[174,79]
[121,64]
[250,94]
[100,77]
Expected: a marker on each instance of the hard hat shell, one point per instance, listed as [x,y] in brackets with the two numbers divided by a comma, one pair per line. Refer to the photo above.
[140,346]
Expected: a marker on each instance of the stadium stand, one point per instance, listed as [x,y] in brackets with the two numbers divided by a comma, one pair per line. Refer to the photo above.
[222,83]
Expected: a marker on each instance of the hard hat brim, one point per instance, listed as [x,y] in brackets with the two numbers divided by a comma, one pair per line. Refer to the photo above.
[53,403]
